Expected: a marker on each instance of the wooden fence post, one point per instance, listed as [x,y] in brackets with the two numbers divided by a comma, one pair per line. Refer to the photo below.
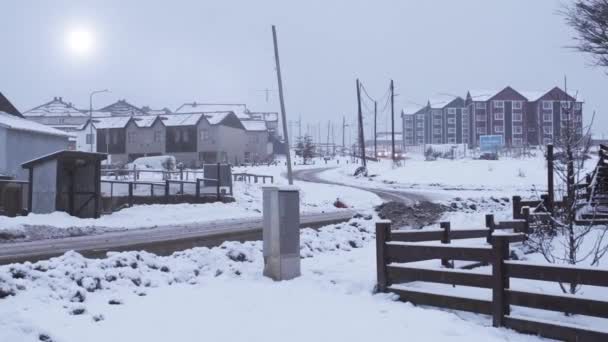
[516,207]
[131,194]
[218,181]
[445,238]
[167,191]
[500,281]
[490,224]
[198,188]
[526,217]
[383,234]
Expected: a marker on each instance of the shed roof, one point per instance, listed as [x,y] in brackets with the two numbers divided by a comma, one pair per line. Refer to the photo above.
[254,125]
[18,123]
[65,154]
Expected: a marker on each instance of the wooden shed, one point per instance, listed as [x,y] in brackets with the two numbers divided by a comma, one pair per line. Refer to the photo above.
[65,181]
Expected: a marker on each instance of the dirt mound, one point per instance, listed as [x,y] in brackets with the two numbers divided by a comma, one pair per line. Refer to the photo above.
[417,216]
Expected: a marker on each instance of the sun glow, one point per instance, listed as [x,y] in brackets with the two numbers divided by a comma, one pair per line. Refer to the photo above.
[80,42]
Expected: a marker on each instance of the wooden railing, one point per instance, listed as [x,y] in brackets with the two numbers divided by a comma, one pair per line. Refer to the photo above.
[248,177]
[392,253]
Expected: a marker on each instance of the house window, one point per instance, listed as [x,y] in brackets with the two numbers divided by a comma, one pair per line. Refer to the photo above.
[481,130]
[517,116]
[90,139]
[499,116]
[499,104]
[420,116]
[565,116]
[565,104]
[547,141]
[516,104]
[452,140]
[517,129]
[132,137]
[465,111]
[480,105]
[419,133]
[547,105]
[452,120]
[452,130]
[517,141]
[204,134]
[451,110]
[499,129]
[437,131]
[419,124]
[419,141]
[547,117]
[481,117]
[437,121]
[578,118]
[157,136]
[437,112]
[578,106]
[548,130]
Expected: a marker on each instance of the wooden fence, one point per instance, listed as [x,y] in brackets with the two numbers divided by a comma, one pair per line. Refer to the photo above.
[395,248]
[248,177]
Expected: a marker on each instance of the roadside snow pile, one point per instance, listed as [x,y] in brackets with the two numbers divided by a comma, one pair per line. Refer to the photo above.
[154,163]
[70,277]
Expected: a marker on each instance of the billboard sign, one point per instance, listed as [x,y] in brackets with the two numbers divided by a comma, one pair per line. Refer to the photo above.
[490,143]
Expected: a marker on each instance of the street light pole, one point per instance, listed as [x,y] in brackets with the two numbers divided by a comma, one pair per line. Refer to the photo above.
[91,114]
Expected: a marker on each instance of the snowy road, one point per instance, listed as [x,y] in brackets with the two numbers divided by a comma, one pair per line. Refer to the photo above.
[161,240]
[312,175]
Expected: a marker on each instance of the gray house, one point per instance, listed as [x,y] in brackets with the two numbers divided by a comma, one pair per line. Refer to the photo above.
[230,137]
[258,147]
[145,137]
[22,140]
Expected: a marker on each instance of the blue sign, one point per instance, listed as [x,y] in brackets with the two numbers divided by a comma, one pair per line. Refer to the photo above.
[490,143]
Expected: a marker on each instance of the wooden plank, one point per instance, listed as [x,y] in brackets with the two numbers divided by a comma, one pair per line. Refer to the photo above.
[517,226]
[409,252]
[468,233]
[563,332]
[401,274]
[563,303]
[383,234]
[443,301]
[416,236]
[565,274]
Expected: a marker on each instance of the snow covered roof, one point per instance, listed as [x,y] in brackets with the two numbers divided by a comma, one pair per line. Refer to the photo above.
[239,109]
[190,119]
[411,109]
[11,121]
[56,107]
[482,95]
[145,120]
[111,122]
[7,107]
[254,125]
[536,95]
[122,108]
[266,116]
[217,117]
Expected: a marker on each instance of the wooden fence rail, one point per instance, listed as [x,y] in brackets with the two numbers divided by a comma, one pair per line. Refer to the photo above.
[396,248]
[243,176]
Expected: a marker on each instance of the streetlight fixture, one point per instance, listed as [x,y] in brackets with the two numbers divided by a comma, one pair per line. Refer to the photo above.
[91,114]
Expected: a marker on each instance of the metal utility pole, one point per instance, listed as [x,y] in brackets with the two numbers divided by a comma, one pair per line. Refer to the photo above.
[328,129]
[376,129]
[300,126]
[393,119]
[361,133]
[91,114]
[343,134]
[283,114]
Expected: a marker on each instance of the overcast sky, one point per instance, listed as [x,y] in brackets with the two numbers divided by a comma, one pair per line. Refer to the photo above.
[164,53]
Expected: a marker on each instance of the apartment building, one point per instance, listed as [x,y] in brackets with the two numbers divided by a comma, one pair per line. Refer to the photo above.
[522,118]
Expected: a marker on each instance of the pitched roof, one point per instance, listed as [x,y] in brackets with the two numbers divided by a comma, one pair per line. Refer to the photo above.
[14,122]
[111,122]
[239,109]
[55,107]
[533,96]
[145,120]
[65,154]
[124,108]
[481,95]
[7,107]
[186,119]
[411,109]
[266,116]
[254,125]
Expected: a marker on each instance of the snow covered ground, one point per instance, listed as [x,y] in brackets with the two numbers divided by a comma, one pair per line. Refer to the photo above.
[219,294]
[315,198]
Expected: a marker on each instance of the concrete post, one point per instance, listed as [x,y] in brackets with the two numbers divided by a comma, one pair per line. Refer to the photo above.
[281,232]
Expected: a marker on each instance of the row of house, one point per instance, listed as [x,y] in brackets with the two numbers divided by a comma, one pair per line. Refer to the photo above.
[522,118]
[195,133]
